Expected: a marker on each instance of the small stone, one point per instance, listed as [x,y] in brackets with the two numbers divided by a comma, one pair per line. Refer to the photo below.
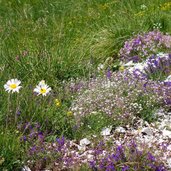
[147,131]
[169,147]
[120,129]
[106,131]
[169,162]
[84,142]
[81,148]
[25,168]
[166,133]
[160,112]
[129,64]
[90,157]
[168,78]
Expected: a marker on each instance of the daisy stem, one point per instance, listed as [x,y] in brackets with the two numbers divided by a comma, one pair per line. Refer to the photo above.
[8,111]
[17,104]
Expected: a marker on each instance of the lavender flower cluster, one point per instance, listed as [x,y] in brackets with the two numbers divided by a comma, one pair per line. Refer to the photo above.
[31,134]
[125,157]
[159,64]
[65,155]
[156,68]
[159,68]
[144,45]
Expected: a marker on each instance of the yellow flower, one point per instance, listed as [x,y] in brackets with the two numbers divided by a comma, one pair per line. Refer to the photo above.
[69,113]
[121,68]
[57,102]
[104,6]
[166,6]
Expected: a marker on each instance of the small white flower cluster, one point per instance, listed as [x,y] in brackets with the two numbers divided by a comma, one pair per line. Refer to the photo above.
[157,26]
[100,67]
[136,106]
[13,85]
[143,7]
[116,97]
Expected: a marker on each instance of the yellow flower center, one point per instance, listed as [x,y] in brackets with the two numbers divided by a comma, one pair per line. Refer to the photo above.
[42,90]
[13,86]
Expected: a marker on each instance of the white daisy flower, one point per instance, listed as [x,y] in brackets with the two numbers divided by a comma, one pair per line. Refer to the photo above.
[12,85]
[41,83]
[42,88]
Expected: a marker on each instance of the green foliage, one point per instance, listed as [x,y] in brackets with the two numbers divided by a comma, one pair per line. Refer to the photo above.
[93,124]
[150,105]
[54,40]
[11,151]
[60,36]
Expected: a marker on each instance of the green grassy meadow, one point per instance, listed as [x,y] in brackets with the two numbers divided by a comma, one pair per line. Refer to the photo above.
[56,41]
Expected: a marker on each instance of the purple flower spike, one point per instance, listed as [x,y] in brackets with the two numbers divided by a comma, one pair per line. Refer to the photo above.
[40,136]
[167,83]
[135,59]
[18,113]
[110,167]
[125,168]
[151,157]
[168,101]
[108,74]
[61,142]
[92,165]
